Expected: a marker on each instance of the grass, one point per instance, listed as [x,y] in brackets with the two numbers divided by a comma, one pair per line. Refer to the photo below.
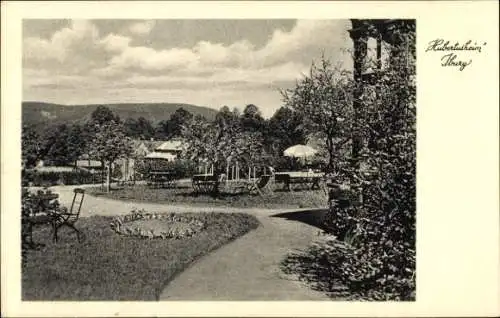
[185,195]
[107,266]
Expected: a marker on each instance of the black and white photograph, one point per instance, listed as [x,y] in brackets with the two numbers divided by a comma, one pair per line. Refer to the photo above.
[219,160]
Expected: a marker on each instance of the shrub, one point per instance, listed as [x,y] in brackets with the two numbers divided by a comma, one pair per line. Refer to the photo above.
[373,216]
[31,203]
[50,178]
[380,258]
[181,168]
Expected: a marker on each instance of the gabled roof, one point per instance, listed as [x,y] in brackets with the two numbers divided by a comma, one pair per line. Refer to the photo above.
[152,145]
[171,145]
[160,155]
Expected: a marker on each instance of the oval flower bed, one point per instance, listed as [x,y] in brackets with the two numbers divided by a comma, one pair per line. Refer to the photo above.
[156,225]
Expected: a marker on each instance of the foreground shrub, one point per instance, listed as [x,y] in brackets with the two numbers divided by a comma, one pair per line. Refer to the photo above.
[373,217]
[31,204]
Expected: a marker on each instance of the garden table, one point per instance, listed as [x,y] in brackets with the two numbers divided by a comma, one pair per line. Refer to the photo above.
[309,179]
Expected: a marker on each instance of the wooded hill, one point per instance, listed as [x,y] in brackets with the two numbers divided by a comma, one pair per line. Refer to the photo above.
[43,114]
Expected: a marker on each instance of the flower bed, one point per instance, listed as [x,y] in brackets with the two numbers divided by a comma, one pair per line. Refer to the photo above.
[156,225]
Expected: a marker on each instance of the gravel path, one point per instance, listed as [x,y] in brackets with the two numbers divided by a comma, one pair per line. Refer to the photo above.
[246,269]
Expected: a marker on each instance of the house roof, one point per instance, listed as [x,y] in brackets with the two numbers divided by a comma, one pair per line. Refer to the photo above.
[160,155]
[88,163]
[171,145]
[53,169]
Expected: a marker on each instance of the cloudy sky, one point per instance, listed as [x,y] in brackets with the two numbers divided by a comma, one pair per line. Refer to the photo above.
[204,62]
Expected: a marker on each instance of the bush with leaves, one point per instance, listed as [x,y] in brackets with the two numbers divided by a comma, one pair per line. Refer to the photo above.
[373,218]
[31,204]
[50,178]
[223,143]
[181,168]
[382,258]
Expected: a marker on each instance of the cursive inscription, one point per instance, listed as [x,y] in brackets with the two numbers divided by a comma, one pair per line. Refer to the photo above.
[456,54]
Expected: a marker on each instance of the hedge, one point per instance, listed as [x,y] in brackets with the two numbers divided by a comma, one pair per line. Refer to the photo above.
[50,178]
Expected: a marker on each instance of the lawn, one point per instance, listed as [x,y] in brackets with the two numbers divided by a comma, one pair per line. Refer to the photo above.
[107,266]
[183,195]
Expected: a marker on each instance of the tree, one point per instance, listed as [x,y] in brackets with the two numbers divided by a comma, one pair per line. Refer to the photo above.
[30,146]
[251,119]
[324,100]
[130,127]
[140,128]
[173,127]
[55,147]
[162,129]
[177,120]
[221,142]
[285,129]
[76,143]
[108,144]
[103,114]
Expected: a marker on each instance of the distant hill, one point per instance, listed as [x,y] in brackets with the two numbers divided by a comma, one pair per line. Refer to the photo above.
[42,114]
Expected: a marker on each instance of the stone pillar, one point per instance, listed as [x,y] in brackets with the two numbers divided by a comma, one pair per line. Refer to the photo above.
[359,37]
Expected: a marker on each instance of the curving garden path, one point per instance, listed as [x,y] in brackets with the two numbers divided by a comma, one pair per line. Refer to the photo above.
[245,269]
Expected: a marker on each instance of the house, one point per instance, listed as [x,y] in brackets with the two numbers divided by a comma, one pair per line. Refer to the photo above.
[168,150]
[141,149]
[149,150]
[85,163]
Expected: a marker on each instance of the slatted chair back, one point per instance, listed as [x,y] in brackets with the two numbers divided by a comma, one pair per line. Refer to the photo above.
[261,184]
[69,218]
[76,205]
[263,181]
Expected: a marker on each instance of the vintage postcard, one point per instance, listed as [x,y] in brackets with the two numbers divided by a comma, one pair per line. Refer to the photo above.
[250,158]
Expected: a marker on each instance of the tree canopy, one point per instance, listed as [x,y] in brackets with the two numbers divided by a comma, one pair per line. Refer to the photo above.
[324,99]
[30,146]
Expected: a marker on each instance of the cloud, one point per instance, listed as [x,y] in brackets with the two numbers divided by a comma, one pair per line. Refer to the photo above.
[308,37]
[79,58]
[115,43]
[142,28]
[81,43]
[148,59]
[71,50]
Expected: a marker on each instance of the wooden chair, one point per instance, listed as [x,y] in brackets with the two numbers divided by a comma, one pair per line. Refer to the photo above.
[260,185]
[64,218]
